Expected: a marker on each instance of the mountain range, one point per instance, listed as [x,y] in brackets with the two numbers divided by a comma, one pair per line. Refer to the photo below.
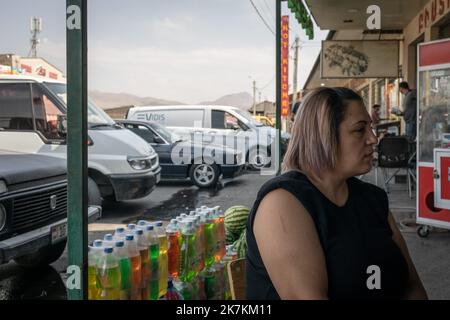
[107,100]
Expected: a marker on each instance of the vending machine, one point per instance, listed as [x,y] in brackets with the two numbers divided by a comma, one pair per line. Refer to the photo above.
[433,136]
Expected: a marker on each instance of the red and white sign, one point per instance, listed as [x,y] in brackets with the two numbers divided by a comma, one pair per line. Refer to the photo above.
[284,66]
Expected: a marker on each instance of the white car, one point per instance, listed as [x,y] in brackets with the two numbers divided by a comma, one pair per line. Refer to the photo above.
[121,165]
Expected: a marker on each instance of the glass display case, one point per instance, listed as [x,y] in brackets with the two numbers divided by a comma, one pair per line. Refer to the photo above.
[434,108]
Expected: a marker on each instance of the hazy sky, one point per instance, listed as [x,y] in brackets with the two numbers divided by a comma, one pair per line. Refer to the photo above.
[184,50]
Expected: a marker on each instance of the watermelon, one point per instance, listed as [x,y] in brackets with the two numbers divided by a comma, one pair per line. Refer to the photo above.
[240,245]
[235,221]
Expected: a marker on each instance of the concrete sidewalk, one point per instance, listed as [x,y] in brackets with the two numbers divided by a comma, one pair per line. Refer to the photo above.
[431,255]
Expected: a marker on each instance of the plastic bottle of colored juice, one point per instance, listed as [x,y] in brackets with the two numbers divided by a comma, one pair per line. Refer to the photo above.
[199,264]
[143,247]
[108,275]
[221,252]
[153,242]
[201,240]
[210,240]
[136,271]
[187,249]
[216,220]
[194,253]
[125,269]
[94,253]
[119,234]
[163,261]
[173,248]
[209,283]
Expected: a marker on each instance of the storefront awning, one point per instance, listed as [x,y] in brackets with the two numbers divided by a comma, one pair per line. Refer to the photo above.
[351,14]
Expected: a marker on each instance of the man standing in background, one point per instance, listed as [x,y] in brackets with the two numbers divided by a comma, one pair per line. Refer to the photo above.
[409,109]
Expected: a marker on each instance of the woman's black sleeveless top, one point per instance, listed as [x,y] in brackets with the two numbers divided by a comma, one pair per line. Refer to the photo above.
[353,238]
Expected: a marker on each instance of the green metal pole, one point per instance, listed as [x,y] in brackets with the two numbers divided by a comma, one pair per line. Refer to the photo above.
[76,37]
[278,82]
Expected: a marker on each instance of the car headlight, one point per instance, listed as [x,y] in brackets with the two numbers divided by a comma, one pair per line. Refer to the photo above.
[140,163]
[2,217]
[3,187]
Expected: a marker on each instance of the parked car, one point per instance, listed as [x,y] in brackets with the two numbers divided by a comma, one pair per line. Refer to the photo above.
[33,208]
[121,165]
[215,123]
[203,174]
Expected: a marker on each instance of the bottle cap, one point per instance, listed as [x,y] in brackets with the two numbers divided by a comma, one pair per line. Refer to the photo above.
[129,237]
[108,237]
[119,244]
[108,250]
[131,226]
[120,230]
[139,232]
[142,223]
[158,223]
[98,243]
[149,227]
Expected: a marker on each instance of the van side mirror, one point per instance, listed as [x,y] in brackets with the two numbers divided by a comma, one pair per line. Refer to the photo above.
[62,124]
[235,127]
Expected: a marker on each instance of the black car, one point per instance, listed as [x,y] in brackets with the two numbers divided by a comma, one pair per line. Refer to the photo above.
[33,208]
[182,159]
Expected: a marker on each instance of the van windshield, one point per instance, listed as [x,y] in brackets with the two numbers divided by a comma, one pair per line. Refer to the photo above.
[96,116]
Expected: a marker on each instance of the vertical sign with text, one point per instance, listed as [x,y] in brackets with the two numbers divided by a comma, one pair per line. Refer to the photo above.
[284,66]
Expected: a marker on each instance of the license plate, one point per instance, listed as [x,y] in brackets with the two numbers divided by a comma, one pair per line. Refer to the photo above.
[59,232]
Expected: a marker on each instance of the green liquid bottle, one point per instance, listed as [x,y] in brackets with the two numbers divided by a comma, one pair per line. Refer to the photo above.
[125,270]
[108,276]
[163,260]
[153,252]
[210,242]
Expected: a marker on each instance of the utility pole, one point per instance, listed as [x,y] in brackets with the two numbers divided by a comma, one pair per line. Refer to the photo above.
[35,28]
[294,80]
[254,97]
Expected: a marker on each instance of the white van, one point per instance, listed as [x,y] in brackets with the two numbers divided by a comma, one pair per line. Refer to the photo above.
[212,122]
[121,165]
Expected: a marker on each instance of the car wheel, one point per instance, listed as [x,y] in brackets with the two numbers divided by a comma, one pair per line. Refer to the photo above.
[258,158]
[204,175]
[43,256]
[94,195]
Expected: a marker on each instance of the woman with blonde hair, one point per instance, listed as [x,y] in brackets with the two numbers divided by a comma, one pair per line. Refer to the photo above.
[316,231]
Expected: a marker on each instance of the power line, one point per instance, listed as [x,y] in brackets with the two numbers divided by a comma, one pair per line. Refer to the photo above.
[270,18]
[265,86]
[262,18]
[270,10]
